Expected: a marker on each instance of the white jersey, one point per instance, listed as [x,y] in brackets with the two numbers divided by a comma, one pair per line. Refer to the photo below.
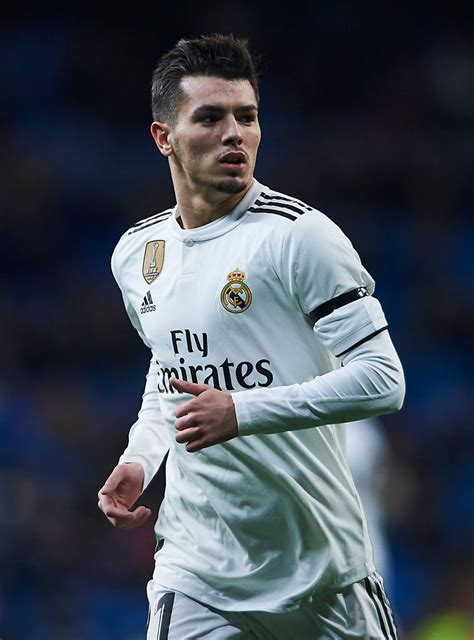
[246,304]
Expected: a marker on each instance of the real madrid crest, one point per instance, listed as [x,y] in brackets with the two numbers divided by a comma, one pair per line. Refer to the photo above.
[236,296]
[153,260]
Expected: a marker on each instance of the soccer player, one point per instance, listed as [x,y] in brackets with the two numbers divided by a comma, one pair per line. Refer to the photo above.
[264,338]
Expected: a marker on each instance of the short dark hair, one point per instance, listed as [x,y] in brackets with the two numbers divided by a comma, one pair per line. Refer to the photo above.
[222,56]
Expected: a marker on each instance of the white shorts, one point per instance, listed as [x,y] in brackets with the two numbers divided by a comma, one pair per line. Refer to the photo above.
[360,611]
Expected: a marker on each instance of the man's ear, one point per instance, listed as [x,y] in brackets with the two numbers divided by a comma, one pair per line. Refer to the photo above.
[161,133]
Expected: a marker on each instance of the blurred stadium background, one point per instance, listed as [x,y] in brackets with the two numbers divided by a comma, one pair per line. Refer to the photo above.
[368,113]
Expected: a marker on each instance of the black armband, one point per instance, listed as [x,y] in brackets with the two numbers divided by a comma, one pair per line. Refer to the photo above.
[339,301]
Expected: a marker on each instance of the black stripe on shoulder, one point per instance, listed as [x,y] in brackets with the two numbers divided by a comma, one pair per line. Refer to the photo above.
[339,301]
[281,205]
[269,196]
[150,218]
[366,339]
[162,218]
[277,211]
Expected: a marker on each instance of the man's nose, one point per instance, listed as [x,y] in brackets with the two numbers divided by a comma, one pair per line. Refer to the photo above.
[232,132]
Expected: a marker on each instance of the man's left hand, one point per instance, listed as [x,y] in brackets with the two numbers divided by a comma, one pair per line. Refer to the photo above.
[207,419]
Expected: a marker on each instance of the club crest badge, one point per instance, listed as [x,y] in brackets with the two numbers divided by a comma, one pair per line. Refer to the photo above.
[153,260]
[236,296]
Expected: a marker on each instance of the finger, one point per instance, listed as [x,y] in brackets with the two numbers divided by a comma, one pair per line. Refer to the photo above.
[184,408]
[196,445]
[188,434]
[106,501]
[127,519]
[188,387]
[186,422]
[134,518]
[108,488]
[127,523]
[114,511]
[112,482]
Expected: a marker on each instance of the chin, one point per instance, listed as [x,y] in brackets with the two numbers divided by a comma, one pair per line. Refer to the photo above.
[231,185]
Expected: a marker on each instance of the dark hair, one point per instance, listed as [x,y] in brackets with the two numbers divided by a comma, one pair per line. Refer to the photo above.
[222,56]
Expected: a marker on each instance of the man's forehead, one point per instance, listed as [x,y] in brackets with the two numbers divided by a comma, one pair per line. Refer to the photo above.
[213,90]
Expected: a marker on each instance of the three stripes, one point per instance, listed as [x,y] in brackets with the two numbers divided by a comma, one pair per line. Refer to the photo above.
[284,206]
[147,299]
[289,208]
[148,222]
[374,587]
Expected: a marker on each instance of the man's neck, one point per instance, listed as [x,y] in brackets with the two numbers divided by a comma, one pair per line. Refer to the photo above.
[196,210]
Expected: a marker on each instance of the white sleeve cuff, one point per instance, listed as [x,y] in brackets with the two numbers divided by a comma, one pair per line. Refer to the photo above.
[244,419]
[148,469]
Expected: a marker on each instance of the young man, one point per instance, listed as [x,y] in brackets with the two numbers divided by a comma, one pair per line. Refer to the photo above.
[264,337]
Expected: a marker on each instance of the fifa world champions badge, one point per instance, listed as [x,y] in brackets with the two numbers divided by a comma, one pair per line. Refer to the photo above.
[236,296]
[153,260]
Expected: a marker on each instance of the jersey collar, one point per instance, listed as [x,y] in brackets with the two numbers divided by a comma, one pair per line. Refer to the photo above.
[217,227]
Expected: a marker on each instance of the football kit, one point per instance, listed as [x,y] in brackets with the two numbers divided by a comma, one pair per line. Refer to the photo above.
[264,303]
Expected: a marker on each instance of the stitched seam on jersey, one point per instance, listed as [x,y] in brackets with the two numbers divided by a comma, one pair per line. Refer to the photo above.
[296,298]
[282,284]
[360,342]
[363,326]
[380,396]
[295,266]
[336,584]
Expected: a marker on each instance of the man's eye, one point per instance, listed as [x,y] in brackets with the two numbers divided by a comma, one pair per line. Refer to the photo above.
[209,119]
[247,119]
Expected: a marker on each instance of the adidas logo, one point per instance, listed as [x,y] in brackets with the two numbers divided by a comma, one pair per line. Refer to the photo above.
[147,304]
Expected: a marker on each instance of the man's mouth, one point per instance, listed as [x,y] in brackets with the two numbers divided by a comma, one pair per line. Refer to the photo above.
[234,159]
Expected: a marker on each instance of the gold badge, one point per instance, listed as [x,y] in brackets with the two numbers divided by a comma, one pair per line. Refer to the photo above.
[153,260]
[236,296]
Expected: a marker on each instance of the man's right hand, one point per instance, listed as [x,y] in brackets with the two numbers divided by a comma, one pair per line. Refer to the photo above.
[120,492]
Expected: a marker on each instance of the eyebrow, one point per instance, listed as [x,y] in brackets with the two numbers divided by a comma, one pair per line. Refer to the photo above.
[212,108]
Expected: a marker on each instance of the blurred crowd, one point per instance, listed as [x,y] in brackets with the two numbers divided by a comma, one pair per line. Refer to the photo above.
[368,114]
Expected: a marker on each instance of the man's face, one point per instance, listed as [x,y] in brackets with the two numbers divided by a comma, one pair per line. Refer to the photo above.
[216,134]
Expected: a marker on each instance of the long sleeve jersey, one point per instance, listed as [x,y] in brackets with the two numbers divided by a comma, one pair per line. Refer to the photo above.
[265,303]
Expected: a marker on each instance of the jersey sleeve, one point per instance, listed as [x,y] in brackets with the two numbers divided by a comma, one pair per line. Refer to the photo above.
[327,281]
[115,265]
[148,440]
[370,383]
